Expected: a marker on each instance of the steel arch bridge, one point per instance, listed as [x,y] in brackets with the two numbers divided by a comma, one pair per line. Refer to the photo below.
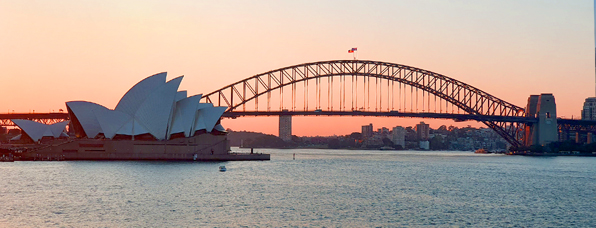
[44,118]
[392,87]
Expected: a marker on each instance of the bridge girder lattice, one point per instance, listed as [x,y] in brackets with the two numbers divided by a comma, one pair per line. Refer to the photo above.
[348,74]
[44,118]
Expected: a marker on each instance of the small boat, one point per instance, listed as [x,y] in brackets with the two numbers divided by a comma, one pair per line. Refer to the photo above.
[481,151]
[222,168]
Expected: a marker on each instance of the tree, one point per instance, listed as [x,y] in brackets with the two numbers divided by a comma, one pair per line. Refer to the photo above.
[536,148]
[568,146]
[355,135]
[442,130]
[437,143]
[296,139]
[333,144]
[267,141]
[387,142]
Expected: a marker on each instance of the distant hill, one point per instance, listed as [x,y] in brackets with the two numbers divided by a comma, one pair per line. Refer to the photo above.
[236,137]
[257,140]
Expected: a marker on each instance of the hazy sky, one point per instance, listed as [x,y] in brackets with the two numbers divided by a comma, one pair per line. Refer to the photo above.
[56,51]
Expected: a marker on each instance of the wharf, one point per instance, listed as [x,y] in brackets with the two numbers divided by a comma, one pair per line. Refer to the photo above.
[205,147]
[544,154]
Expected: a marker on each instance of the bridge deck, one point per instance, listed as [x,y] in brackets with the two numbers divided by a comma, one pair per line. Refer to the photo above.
[456,117]
[46,118]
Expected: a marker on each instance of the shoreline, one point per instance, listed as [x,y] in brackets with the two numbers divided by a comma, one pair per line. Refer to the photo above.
[542,154]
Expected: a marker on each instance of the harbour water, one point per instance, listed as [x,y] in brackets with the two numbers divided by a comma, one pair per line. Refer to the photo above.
[331,188]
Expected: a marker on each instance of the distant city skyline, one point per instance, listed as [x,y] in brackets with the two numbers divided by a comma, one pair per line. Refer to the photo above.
[57,52]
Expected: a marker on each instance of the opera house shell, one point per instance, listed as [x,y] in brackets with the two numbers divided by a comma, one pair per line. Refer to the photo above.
[36,131]
[152,121]
[152,109]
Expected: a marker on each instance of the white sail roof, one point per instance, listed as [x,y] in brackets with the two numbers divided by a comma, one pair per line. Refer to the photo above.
[199,123]
[57,129]
[37,130]
[132,100]
[18,137]
[211,115]
[219,128]
[156,111]
[132,127]
[181,95]
[111,121]
[151,106]
[84,112]
[184,115]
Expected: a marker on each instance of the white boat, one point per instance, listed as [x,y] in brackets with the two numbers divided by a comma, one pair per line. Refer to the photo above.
[222,168]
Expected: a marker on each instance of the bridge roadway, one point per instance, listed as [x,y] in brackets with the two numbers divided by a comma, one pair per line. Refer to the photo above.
[46,118]
[585,125]
[456,117]
[28,116]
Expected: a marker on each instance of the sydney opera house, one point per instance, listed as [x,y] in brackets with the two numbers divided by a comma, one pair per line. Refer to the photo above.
[152,121]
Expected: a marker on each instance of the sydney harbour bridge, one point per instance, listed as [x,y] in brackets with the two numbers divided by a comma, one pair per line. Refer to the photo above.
[368,88]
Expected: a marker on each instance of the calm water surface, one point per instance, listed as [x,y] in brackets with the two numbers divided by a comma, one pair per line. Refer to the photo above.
[331,188]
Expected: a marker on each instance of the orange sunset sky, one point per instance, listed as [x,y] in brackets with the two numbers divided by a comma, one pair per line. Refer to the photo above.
[57,51]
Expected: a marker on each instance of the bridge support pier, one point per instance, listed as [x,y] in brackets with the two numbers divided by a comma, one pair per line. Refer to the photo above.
[285,127]
[544,108]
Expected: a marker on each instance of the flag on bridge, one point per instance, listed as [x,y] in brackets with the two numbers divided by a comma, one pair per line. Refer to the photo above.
[353,52]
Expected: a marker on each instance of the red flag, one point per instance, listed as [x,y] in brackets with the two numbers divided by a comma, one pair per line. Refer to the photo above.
[350,51]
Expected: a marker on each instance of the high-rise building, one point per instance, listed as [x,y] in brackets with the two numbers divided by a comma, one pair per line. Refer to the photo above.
[367,131]
[285,127]
[589,110]
[422,131]
[398,136]
[383,131]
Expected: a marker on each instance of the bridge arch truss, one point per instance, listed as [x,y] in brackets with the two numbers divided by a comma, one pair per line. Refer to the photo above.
[351,84]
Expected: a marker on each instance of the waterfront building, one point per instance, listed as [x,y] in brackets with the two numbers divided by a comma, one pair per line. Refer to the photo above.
[285,127]
[153,109]
[422,131]
[398,136]
[589,110]
[376,141]
[383,131]
[367,131]
[424,145]
[152,121]
[35,131]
